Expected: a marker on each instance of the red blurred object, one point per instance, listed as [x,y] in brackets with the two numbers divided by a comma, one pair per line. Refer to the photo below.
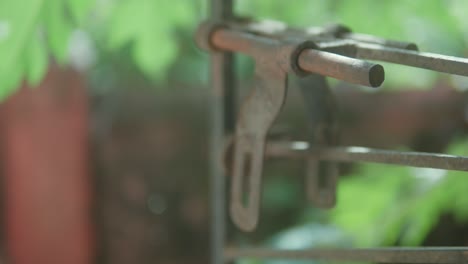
[47,181]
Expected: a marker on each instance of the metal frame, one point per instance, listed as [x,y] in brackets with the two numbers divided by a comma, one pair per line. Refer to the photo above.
[253,40]
[222,104]
[426,255]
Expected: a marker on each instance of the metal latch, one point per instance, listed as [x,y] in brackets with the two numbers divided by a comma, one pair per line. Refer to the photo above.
[312,54]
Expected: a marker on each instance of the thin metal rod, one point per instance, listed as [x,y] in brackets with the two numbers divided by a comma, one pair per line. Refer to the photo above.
[380,41]
[377,255]
[430,61]
[222,88]
[300,149]
[341,67]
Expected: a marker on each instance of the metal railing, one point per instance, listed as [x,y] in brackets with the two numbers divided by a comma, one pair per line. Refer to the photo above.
[312,53]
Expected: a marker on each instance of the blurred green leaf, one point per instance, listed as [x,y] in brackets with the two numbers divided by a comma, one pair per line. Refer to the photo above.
[154,62]
[301,13]
[151,33]
[457,9]
[156,32]
[24,25]
[365,201]
[380,205]
[58,29]
[371,17]
[10,80]
[18,24]
[37,62]
[125,25]
[79,9]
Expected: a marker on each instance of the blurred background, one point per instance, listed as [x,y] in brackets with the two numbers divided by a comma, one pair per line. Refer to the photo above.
[104,133]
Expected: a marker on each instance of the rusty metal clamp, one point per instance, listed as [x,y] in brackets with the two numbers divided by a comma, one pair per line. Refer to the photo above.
[274,59]
[322,176]
[331,51]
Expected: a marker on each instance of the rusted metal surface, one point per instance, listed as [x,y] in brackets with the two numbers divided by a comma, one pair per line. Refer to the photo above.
[329,51]
[361,46]
[300,149]
[426,255]
[341,67]
[275,58]
[310,60]
[265,101]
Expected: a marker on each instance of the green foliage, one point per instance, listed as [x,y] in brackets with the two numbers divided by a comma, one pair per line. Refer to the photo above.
[157,32]
[29,36]
[299,13]
[79,10]
[372,203]
[149,26]
[18,25]
[29,30]
[37,61]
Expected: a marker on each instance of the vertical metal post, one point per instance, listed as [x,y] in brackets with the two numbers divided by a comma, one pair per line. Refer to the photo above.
[222,105]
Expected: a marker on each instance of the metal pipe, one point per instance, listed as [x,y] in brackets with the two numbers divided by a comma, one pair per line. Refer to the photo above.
[341,67]
[430,61]
[428,255]
[222,89]
[301,149]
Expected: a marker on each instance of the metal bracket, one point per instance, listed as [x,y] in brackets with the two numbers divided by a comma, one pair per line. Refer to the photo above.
[265,101]
[273,60]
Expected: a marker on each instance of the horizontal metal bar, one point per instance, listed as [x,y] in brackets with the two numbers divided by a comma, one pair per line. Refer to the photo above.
[300,149]
[278,29]
[426,255]
[311,60]
[380,41]
[425,60]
